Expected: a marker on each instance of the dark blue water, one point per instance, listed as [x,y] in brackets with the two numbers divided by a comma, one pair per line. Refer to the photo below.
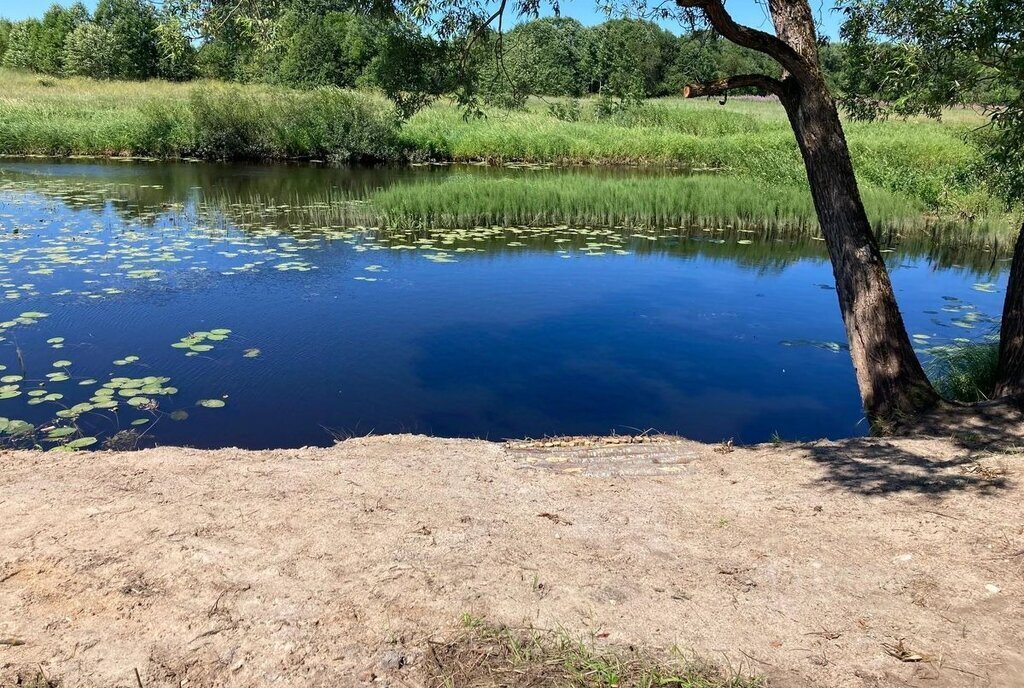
[335,332]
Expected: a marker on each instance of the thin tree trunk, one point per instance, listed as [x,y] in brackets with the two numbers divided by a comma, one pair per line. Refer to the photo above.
[892,383]
[1010,371]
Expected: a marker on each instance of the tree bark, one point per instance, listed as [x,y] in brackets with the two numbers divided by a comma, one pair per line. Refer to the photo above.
[893,385]
[1010,370]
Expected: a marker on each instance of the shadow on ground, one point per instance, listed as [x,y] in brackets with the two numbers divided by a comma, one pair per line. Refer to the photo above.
[986,435]
[877,467]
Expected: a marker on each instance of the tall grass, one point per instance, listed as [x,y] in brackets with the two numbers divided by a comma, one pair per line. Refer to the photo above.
[964,372]
[918,158]
[574,199]
[42,116]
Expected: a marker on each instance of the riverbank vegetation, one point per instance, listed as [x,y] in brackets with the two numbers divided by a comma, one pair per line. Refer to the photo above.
[914,166]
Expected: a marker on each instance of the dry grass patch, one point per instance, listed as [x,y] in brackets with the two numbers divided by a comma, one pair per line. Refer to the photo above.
[485,655]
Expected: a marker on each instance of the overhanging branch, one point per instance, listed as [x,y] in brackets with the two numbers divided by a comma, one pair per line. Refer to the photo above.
[762,42]
[718,87]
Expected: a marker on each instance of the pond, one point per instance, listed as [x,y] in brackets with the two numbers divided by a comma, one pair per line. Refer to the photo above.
[215,305]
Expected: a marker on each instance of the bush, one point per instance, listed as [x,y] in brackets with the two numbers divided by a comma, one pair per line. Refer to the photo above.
[566,111]
[336,125]
[229,123]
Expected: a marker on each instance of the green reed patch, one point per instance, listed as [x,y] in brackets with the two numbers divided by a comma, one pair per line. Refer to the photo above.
[964,370]
[668,201]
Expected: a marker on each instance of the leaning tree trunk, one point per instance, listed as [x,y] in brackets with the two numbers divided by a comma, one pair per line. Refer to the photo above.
[892,383]
[1010,371]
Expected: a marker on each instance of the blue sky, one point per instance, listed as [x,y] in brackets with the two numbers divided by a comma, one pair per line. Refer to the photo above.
[750,12]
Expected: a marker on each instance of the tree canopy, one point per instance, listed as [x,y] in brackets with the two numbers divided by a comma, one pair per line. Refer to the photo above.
[919,56]
[313,43]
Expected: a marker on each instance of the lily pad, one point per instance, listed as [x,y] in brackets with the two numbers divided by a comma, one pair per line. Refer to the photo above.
[211,403]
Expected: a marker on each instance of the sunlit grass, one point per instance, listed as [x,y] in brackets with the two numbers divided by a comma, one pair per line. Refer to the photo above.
[61,117]
[575,199]
[966,371]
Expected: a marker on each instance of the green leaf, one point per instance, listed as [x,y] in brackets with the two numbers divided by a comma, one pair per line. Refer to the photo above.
[211,403]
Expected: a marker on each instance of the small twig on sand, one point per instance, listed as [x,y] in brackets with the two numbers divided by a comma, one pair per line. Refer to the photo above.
[138,679]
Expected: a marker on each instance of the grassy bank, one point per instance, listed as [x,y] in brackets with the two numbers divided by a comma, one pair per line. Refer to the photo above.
[917,160]
[61,117]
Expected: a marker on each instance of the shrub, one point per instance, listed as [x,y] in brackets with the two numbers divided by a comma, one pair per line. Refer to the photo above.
[229,123]
[566,111]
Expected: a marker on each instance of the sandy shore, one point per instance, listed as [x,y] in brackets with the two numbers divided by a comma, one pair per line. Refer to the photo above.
[807,564]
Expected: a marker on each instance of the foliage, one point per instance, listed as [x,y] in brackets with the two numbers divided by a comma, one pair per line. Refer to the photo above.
[57,23]
[410,69]
[329,50]
[176,56]
[131,26]
[22,45]
[566,110]
[631,58]
[550,57]
[234,123]
[910,56]
[5,36]
[88,51]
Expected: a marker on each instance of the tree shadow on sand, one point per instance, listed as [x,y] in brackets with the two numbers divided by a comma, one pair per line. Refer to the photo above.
[968,448]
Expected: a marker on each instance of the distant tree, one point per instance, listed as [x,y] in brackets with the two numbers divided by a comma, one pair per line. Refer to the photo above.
[329,50]
[834,62]
[23,45]
[704,56]
[57,23]
[5,37]
[632,57]
[550,56]
[88,51]
[131,26]
[696,59]
[176,56]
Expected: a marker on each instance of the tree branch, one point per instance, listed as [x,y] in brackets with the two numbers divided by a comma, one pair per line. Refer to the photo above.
[762,42]
[720,86]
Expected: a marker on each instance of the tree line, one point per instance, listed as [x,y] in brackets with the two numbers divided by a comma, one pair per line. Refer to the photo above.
[311,45]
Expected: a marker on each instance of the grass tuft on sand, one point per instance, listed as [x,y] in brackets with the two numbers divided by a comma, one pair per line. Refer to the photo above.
[490,655]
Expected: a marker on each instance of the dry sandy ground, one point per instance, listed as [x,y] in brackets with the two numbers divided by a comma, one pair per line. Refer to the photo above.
[334,567]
